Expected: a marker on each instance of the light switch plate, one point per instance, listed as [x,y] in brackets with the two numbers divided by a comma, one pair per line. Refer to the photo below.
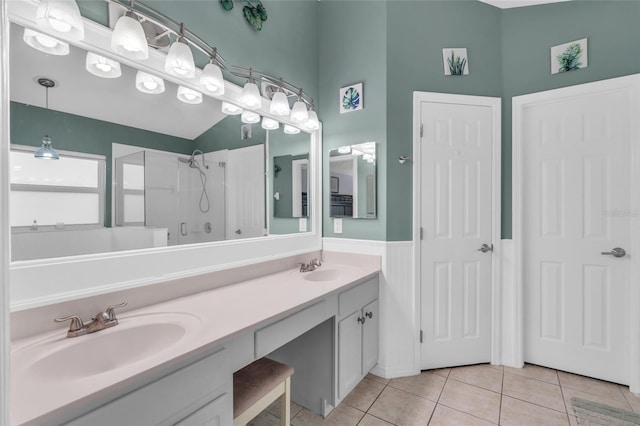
[337,226]
[302,224]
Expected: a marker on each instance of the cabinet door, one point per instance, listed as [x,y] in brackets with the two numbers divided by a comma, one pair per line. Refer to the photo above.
[349,353]
[215,413]
[370,332]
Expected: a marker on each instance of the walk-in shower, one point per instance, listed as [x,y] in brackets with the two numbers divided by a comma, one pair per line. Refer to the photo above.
[204,204]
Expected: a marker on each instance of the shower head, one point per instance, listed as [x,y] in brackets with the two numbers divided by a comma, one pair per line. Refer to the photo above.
[188,161]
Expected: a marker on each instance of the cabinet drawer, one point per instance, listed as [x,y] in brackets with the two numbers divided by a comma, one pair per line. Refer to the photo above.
[169,399]
[273,336]
[355,298]
[215,413]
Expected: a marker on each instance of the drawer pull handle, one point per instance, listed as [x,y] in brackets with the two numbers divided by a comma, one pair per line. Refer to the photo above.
[361,320]
[369,315]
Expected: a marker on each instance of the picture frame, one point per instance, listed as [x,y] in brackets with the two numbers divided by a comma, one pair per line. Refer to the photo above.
[455,61]
[569,56]
[334,185]
[351,98]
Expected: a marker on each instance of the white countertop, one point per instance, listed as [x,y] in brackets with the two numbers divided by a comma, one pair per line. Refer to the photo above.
[215,315]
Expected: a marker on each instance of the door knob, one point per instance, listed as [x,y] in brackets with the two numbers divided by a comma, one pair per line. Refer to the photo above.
[486,248]
[616,252]
[238,231]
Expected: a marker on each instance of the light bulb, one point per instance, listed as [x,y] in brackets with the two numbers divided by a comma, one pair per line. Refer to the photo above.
[299,113]
[211,79]
[179,61]
[189,96]
[249,117]
[269,123]
[62,16]
[279,104]
[251,96]
[231,109]
[290,130]
[148,83]
[102,67]
[128,38]
[45,43]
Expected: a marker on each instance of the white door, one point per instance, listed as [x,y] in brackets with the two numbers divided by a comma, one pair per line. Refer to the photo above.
[576,175]
[456,221]
[246,192]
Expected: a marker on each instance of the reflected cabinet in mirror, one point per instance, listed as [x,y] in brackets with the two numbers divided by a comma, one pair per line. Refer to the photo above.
[352,182]
[139,170]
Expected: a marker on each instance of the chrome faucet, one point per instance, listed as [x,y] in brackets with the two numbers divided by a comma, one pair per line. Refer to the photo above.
[311,266]
[101,321]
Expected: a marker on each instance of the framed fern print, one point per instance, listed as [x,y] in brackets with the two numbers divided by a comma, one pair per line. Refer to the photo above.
[455,61]
[569,56]
[351,98]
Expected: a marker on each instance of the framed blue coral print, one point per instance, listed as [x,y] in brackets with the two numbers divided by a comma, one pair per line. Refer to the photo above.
[351,98]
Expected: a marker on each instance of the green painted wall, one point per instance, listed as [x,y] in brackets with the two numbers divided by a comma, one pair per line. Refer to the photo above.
[352,49]
[80,134]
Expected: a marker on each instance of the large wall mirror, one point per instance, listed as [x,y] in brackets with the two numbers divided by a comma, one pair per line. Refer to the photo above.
[145,176]
[352,184]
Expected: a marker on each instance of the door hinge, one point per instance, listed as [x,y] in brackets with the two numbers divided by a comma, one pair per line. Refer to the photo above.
[222,164]
[421,129]
[420,336]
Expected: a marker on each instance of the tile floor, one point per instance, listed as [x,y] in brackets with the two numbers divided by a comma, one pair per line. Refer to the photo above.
[472,395]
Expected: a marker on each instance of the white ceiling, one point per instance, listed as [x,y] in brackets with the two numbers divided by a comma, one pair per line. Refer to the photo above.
[114,100]
[507,4]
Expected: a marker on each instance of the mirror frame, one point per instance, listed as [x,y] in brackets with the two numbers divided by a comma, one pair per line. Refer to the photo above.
[42,282]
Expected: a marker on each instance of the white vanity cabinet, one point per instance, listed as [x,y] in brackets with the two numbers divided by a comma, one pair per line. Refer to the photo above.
[200,393]
[358,331]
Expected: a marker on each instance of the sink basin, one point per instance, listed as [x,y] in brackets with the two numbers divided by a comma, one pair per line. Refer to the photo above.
[134,339]
[323,275]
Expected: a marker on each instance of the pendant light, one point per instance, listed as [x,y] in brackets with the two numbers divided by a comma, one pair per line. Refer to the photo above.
[231,109]
[62,17]
[312,122]
[279,103]
[189,96]
[45,43]
[250,94]
[147,83]
[299,112]
[46,151]
[102,67]
[179,60]
[211,77]
[269,123]
[128,38]
[290,130]
[250,117]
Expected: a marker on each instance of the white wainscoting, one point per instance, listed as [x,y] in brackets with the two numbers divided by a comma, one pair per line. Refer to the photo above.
[399,318]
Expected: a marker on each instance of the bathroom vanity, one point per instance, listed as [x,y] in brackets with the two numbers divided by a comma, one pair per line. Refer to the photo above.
[172,362]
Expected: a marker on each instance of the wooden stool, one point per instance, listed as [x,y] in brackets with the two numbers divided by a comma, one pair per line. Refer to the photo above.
[259,384]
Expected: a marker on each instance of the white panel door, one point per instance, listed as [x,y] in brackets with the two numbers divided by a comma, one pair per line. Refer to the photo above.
[246,192]
[576,172]
[455,194]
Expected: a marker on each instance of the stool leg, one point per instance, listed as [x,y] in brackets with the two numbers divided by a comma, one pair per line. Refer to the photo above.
[285,404]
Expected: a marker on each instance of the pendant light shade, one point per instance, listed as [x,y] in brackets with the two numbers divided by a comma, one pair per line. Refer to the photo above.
[189,96]
[147,83]
[46,151]
[312,122]
[251,96]
[279,104]
[128,38]
[102,67]
[211,79]
[61,16]
[299,112]
[231,109]
[290,130]
[250,117]
[45,43]
[179,61]
[269,123]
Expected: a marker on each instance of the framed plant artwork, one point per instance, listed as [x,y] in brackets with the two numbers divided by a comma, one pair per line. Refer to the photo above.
[351,98]
[455,61]
[569,56]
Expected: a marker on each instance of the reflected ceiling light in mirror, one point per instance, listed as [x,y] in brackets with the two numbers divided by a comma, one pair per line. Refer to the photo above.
[179,60]
[147,83]
[250,94]
[290,130]
[61,16]
[270,123]
[189,96]
[128,38]
[102,67]
[211,77]
[231,109]
[46,151]
[249,117]
[45,43]
[312,122]
[344,149]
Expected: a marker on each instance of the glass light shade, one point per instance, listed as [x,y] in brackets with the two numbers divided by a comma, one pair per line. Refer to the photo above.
[147,83]
[249,117]
[102,67]
[251,96]
[312,122]
[279,104]
[45,43]
[61,16]
[46,151]
[179,61]
[344,149]
[299,113]
[211,79]
[231,109]
[290,130]
[269,123]
[189,96]
[128,38]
